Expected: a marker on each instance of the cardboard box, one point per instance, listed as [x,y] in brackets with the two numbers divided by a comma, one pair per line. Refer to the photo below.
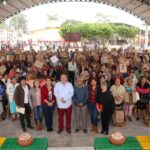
[2,70]
[118,118]
[63,54]
[122,68]
[30,58]
[38,64]
[10,58]
[22,57]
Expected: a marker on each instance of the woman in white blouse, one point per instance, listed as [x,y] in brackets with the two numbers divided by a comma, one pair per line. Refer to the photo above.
[11,87]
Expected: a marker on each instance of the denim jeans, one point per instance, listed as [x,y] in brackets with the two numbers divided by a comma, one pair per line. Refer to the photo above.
[93,113]
[38,114]
[48,112]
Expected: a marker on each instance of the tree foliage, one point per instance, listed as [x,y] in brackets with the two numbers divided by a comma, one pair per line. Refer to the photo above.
[96,30]
[19,22]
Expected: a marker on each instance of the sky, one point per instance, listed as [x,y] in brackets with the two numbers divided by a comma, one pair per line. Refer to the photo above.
[81,11]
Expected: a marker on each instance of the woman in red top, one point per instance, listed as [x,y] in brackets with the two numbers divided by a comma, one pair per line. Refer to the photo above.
[48,103]
[92,105]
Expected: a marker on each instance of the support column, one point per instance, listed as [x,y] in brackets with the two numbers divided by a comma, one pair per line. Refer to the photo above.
[146,37]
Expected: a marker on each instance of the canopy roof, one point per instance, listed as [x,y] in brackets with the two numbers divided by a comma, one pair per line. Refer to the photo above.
[138,8]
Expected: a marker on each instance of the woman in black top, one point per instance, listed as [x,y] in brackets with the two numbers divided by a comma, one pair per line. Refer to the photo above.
[105,99]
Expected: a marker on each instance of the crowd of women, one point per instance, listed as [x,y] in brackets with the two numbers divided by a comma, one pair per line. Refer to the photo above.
[99,93]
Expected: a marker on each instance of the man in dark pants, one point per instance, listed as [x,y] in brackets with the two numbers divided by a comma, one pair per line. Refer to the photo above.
[72,69]
[22,100]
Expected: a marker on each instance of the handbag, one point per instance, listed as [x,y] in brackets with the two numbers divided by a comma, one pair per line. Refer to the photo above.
[137,96]
[99,107]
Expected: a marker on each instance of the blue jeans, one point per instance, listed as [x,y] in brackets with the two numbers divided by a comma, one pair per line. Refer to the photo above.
[93,113]
[38,114]
[48,112]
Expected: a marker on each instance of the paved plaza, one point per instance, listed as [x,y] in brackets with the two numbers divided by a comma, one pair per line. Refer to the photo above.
[13,129]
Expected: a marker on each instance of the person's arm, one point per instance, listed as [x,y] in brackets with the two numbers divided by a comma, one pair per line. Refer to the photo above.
[70,93]
[16,96]
[30,99]
[86,96]
[56,92]
[112,106]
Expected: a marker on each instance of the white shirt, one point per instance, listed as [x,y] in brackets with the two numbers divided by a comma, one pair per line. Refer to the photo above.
[63,91]
[26,94]
[72,67]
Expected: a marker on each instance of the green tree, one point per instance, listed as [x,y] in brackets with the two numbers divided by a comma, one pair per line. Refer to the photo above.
[19,22]
[52,17]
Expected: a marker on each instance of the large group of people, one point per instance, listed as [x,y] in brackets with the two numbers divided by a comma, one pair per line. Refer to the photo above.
[72,87]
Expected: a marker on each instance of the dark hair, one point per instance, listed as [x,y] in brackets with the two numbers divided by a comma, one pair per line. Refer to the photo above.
[63,73]
[22,78]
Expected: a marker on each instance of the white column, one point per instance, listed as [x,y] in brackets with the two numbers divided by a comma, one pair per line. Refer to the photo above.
[146,37]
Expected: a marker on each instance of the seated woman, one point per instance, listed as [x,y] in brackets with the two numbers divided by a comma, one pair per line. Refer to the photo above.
[118,92]
[106,100]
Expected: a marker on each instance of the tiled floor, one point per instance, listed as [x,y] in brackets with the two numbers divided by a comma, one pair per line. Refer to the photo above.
[13,129]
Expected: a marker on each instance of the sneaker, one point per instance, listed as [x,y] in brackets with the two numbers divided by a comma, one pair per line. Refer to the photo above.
[130,118]
[68,131]
[59,131]
[50,130]
[77,130]
[30,127]
[85,131]
[24,129]
[106,133]
[138,118]
[102,132]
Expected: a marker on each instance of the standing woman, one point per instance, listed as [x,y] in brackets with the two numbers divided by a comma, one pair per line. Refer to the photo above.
[130,98]
[35,103]
[11,87]
[106,100]
[143,88]
[92,105]
[118,91]
[48,103]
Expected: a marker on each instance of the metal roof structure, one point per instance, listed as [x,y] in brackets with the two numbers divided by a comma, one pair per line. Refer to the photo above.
[138,8]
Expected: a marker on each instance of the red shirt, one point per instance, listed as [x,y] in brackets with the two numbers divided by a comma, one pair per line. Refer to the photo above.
[92,96]
[44,94]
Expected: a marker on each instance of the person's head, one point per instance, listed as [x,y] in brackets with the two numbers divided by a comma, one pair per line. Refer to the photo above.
[109,77]
[13,80]
[93,74]
[36,83]
[104,87]
[17,75]
[102,79]
[129,81]
[48,82]
[131,74]
[79,80]
[143,80]
[93,82]
[23,81]
[5,76]
[63,78]
[117,82]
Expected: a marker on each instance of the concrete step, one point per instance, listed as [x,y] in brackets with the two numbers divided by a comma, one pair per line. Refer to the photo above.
[71,148]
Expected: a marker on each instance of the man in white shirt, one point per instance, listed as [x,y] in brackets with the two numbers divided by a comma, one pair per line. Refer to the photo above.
[72,70]
[63,92]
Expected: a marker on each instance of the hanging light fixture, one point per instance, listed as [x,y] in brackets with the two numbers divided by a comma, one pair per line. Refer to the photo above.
[4,2]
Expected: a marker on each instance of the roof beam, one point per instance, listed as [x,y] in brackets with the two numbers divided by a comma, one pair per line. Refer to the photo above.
[144,11]
[137,6]
[12,5]
[5,9]
[23,3]
[127,4]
